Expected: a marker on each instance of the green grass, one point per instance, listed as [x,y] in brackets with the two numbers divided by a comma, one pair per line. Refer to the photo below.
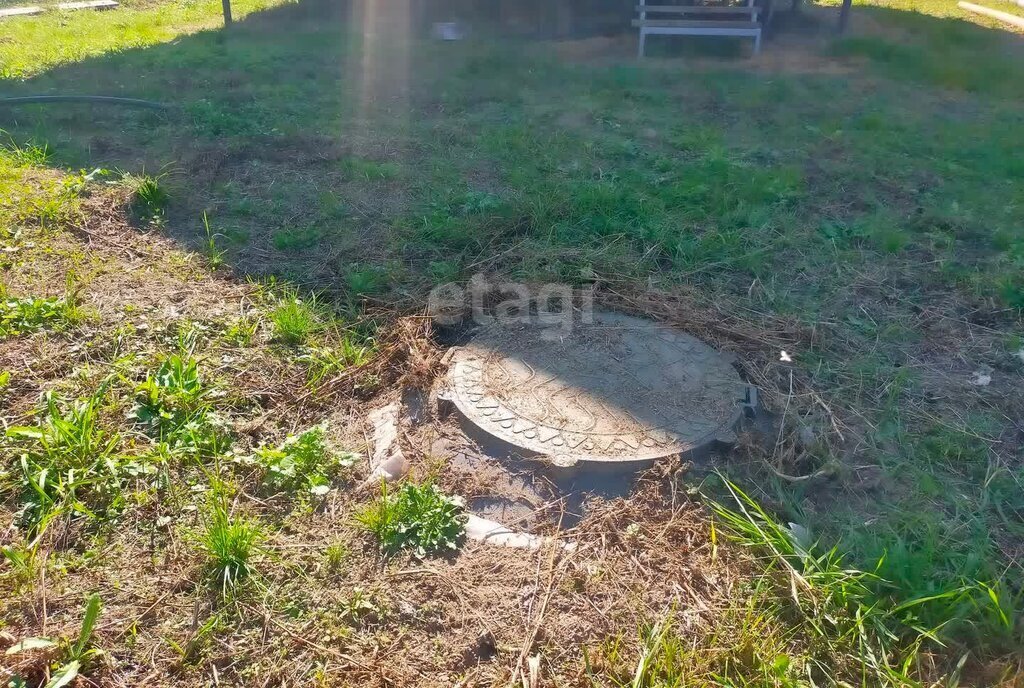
[838,598]
[296,320]
[317,334]
[867,210]
[296,239]
[74,657]
[149,197]
[175,406]
[324,362]
[417,517]
[361,169]
[173,391]
[56,38]
[590,198]
[68,462]
[243,331]
[230,543]
[303,462]
[20,316]
[752,646]
[938,46]
[214,254]
[852,624]
[366,280]
[31,196]
[29,153]
[335,556]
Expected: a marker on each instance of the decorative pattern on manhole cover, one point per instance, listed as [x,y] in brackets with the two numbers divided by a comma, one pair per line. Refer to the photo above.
[619,389]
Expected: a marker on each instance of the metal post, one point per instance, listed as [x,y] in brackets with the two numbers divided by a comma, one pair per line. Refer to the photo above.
[643,30]
[844,15]
[226,4]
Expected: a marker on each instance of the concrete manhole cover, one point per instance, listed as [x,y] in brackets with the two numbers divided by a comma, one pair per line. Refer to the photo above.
[617,390]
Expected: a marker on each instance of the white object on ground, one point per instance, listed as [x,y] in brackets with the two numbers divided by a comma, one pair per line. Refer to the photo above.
[20,11]
[387,462]
[89,5]
[1013,19]
[1020,354]
[981,377]
[494,533]
[85,5]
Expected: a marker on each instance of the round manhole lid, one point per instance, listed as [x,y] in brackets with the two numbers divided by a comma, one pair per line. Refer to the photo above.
[618,389]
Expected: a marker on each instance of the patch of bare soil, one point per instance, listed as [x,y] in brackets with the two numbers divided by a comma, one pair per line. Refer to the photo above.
[472,619]
[596,48]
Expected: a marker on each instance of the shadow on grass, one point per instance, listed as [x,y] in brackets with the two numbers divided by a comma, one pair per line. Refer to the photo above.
[947,53]
[323,141]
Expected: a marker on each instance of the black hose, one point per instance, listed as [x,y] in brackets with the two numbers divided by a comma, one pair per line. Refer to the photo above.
[83,99]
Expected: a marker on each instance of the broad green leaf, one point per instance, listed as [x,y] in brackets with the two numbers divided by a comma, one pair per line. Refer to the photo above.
[25,431]
[30,644]
[65,675]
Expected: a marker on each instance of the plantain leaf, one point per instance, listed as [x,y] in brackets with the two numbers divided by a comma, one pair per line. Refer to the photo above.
[25,432]
[30,644]
[65,675]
